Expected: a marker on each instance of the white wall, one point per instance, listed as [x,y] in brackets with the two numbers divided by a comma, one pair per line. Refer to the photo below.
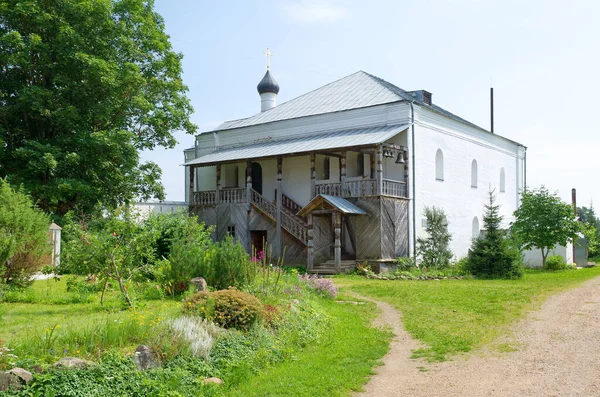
[461,144]
[533,258]
[296,178]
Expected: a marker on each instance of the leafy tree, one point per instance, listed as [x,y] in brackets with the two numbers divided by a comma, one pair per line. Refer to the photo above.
[491,254]
[591,225]
[544,221]
[24,241]
[434,250]
[84,85]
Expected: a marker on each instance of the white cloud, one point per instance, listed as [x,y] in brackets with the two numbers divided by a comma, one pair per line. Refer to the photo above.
[315,10]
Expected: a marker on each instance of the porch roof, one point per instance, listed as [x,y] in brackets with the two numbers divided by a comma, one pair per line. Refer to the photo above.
[322,201]
[301,144]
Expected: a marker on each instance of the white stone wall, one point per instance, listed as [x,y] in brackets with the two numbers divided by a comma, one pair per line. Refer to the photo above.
[462,203]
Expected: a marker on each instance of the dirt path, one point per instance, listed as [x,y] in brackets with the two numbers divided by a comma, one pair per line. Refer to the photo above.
[558,355]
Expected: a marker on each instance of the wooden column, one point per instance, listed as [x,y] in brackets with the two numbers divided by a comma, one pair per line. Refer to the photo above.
[337,247]
[248,181]
[379,170]
[310,244]
[279,198]
[191,186]
[218,194]
[372,165]
[343,173]
[313,175]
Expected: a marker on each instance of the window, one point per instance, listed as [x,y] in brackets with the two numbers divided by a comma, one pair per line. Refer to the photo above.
[474,173]
[439,165]
[502,181]
[475,228]
[231,231]
[326,167]
[360,164]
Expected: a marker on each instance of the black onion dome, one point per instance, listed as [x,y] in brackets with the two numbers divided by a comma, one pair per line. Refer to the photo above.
[268,84]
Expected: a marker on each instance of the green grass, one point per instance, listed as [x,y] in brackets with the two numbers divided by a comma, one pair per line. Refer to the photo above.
[454,316]
[339,364]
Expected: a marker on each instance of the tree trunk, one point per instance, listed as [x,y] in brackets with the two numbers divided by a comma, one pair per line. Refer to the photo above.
[121,285]
[544,256]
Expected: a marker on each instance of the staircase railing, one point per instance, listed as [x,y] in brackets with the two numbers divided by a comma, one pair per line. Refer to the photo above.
[292,226]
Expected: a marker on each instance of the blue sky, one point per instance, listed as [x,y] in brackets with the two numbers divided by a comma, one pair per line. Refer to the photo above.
[541,57]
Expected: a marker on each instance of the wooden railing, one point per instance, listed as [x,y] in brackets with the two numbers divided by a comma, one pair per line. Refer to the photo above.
[365,187]
[206,197]
[290,204]
[293,227]
[394,188]
[361,188]
[332,189]
[233,196]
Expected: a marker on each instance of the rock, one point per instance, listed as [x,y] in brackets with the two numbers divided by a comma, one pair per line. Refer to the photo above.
[24,375]
[145,358]
[73,362]
[213,380]
[9,381]
[199,283]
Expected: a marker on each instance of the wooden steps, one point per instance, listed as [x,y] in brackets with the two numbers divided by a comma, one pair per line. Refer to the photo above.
[328,268]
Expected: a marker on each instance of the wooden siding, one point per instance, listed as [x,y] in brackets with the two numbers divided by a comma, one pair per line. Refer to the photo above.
[233,215]
[208,215]
[367,228]
[394,228]
[295,252]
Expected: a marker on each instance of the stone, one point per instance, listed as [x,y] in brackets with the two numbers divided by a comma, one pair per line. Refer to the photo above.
[24,375]
[9,381]
[213,380]
[199,283]
[145,358]
[73,362]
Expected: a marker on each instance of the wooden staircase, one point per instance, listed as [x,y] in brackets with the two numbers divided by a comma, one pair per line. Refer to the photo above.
[327,268]
[293,224]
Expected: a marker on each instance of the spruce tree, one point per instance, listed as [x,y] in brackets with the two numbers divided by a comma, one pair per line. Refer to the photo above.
[491,255]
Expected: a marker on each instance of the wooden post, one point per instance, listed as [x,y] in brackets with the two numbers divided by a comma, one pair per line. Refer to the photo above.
[372,165]
[338,242]
[310,244]
[278,236]
[313,175]
[343,174]
[379,170]
[218,195]
[249,181]
[191,186]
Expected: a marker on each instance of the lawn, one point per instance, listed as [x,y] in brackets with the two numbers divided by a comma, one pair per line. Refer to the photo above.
[455,316]
[330,355]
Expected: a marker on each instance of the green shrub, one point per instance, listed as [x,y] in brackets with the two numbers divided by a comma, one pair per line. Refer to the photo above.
[557,262]
[434,250]
[491,254]
[228,308]
[405,263]
[24,244]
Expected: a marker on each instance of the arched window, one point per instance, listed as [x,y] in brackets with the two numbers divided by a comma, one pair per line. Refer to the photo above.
[475,227]
[502,180]
[474,173]
[439,165]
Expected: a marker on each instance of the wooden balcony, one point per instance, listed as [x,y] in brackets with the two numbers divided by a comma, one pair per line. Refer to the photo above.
[362,188]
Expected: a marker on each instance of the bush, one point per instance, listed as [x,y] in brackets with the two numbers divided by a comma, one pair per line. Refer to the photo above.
[406,263]
[557,262]
[491,254]
[323,286]
[228,308]
[434,250]
[24,242]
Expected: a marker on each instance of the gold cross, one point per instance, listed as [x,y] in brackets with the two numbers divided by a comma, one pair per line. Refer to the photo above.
[268,54]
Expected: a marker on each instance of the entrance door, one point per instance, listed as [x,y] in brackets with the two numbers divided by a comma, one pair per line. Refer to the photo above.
[259,241]
[323,238]
[257,177]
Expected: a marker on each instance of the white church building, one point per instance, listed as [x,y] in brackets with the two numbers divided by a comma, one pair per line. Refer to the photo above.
[343,173]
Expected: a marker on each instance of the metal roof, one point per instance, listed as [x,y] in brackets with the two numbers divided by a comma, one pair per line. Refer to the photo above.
[341,204]
[351,92]
[302,144]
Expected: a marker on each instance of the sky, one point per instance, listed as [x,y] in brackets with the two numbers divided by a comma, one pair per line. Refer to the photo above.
[541,57]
